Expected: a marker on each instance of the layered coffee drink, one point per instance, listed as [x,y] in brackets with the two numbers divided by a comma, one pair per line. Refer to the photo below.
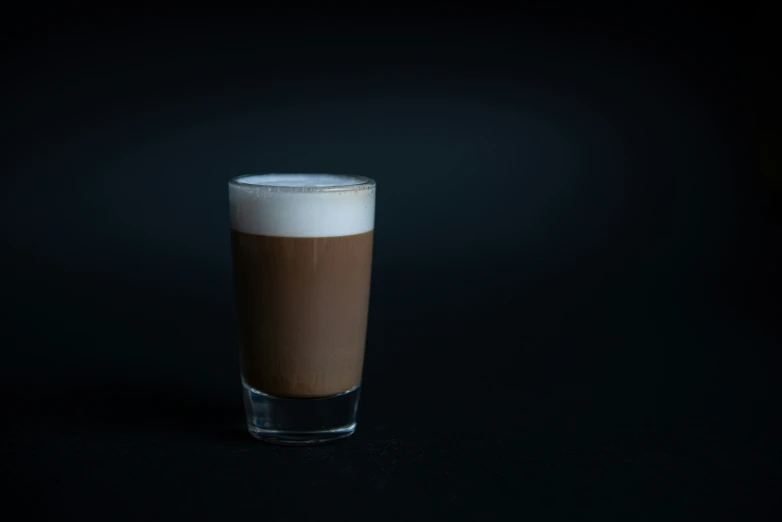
[302,258]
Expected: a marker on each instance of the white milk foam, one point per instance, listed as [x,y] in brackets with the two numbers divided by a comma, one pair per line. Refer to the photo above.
[302,205]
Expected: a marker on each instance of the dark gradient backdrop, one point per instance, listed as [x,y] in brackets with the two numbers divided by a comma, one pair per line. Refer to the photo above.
[576,278]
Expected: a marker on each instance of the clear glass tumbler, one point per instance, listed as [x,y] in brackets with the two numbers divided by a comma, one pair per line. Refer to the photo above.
[302,260]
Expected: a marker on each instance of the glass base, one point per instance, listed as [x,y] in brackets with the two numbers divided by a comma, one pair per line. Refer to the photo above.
[300,421]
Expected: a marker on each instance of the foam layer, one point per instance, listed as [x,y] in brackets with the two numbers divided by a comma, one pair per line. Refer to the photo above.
[302,205]
[300,180]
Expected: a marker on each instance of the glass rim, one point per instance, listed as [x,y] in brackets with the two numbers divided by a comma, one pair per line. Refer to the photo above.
[364,183]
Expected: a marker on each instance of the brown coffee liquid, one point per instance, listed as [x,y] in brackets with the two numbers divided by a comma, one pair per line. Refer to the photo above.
[302,311]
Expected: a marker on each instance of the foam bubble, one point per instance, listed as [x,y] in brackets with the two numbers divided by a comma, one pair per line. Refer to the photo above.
[302,205]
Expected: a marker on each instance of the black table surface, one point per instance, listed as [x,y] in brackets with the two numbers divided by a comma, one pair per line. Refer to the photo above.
[575,302]
[546,410]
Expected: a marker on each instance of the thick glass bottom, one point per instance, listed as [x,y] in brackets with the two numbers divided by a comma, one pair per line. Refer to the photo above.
[300,421]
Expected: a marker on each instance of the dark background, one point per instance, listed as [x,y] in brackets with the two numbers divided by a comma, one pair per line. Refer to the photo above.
[576,281]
